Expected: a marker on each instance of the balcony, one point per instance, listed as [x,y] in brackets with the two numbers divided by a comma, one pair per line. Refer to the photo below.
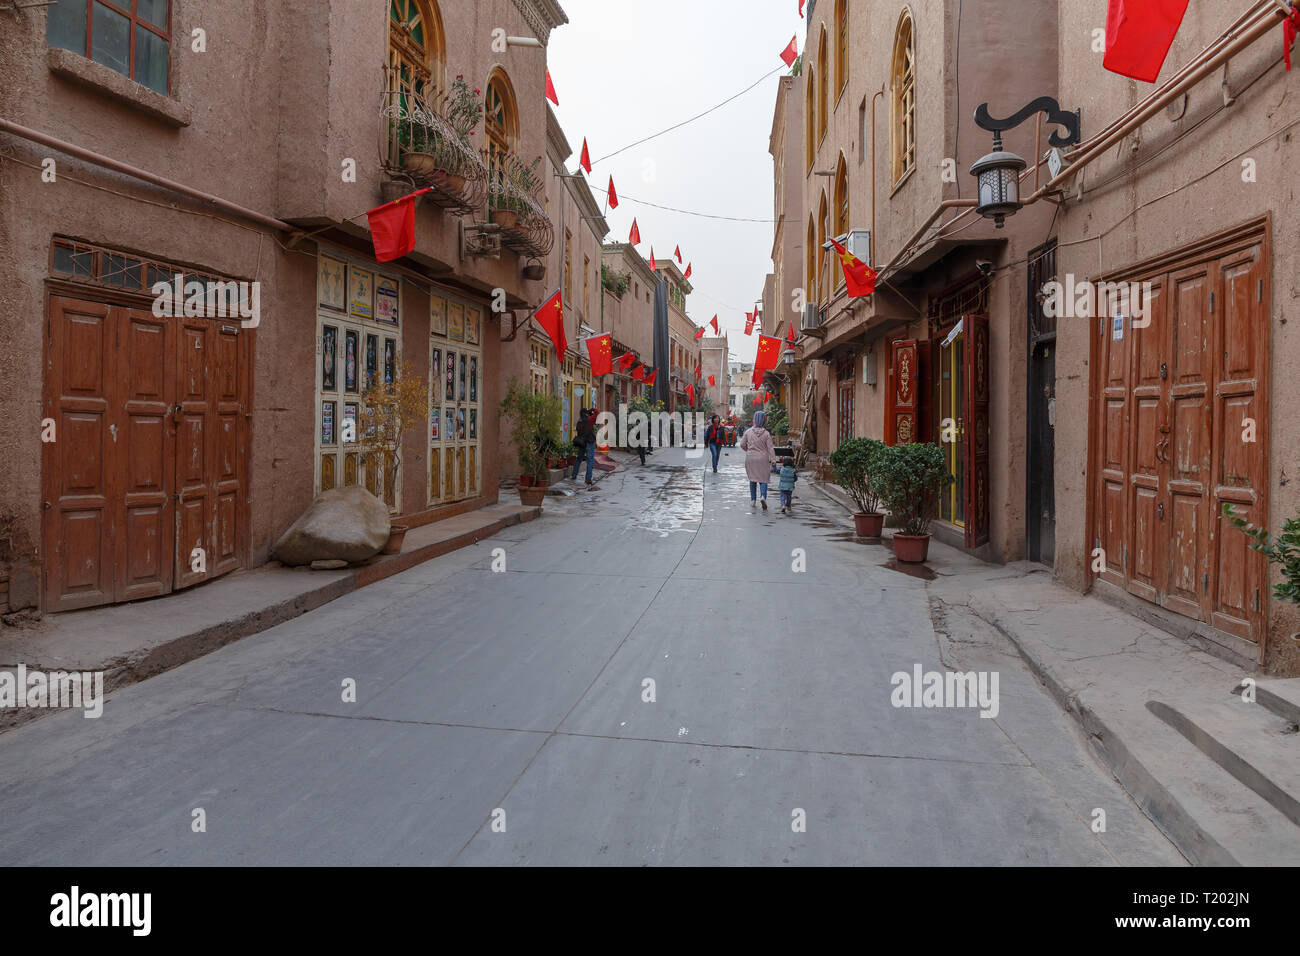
[423,148]
[517,206]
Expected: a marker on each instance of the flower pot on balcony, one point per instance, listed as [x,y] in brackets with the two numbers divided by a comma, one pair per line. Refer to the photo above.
[396,533]
[912,548]
[451,183]
[869,525]
[534,272]
[532,497]
[505,218]
[422,164]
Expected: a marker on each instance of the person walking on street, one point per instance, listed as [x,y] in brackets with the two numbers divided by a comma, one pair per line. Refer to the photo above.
[713,440]
[585,439]
[760,456]
[788,477]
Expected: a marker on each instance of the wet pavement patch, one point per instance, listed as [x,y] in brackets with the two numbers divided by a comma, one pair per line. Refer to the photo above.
[912,570]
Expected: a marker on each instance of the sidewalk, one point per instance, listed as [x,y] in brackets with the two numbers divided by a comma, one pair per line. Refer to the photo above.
[1219,775]
[132,642]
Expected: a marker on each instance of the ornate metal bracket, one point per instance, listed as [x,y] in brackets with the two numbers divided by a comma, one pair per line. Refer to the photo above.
[1071,122]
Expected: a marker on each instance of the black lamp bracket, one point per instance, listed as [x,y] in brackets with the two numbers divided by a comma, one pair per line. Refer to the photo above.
[1071,122]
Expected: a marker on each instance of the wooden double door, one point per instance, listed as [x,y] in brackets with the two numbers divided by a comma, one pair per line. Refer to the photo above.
[1180,429]
[144,483]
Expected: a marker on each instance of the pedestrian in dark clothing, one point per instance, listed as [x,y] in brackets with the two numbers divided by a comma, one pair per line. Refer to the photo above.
[713,439]
[585,439]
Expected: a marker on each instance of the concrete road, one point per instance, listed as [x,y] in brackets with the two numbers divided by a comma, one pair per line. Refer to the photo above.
[506,716]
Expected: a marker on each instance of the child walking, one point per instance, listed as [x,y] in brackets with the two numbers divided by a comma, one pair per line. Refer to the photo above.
[788,477]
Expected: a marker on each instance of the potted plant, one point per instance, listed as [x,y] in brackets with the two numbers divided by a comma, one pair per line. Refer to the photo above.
[388,409]
[535,430]
[854,464]
[436,146]
[1284,550]
[908,479]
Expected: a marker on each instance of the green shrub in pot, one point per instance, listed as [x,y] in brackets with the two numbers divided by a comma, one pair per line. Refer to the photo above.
[909,480]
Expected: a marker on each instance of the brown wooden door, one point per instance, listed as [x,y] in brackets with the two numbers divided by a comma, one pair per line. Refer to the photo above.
[1179,430]
[975,413]
[905,385]
[846,410]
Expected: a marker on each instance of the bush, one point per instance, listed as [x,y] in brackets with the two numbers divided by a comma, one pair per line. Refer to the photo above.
[855,471]
[1283,550]
[909,479]
[535,427]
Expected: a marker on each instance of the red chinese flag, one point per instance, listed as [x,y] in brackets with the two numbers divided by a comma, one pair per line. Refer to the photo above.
[392,227]
[791,53]
[710,381]
[750,319]
[626,361]
[859,277]
[1290,30]
[601,350]
[717,329]
[634,236]
[1139,34]
[791,336]
[550,90]
[650,379]
[769,353]
[678,253]
[613,194]
[698,369]
[690,393]
[550,316]
[687,274]
[585,161]
[653,267]
[699,334]
[638,373]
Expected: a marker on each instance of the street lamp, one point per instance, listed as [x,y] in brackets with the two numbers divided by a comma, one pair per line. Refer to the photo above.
[998,174]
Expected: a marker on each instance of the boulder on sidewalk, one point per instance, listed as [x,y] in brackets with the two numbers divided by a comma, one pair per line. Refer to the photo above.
[343,524]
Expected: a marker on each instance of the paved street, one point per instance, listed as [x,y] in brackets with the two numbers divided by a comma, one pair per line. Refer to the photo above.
[523,691]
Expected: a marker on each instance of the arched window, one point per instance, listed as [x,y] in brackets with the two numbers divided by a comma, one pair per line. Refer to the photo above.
[500,123]
[821,86]
[841,45]
[810,275]
[823,222]
[841,205]
[903,99]
[416,47]
[810,116]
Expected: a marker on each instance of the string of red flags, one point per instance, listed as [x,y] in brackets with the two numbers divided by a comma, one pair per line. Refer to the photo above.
[1290,30]
[613,195]
[859,278]
[600,348]
[678,253]
[638,373]
[550,90]
[392,227]
[791,53]
[585,161]
[626,361]
[634,236]
[550,316]
[1139,34]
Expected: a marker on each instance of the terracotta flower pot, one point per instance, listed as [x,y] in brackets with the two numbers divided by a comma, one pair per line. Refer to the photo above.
[533,496]
[449,182]
[505,218]
[396,533]
[526,481]
[912,548]
[535,273]
[423,164]
[869,525]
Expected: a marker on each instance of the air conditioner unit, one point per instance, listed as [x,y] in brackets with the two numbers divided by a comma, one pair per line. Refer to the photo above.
[811,318]
[860,245]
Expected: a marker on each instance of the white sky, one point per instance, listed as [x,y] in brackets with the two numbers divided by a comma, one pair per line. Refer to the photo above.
[624,70]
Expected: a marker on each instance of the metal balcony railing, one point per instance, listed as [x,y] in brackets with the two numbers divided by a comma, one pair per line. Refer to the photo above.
[421,148]
[517,205]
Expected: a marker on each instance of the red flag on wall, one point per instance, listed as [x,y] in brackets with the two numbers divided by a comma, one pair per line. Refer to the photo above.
[585,161]
[650,379]
[601,350]
[717,329]
[769,353]
[710,381]
[791,336]
[690,393]
[698,369]
[653,267]
[626,361]
[550,90]
[1290,30]
[859,277]
[392,227]
[791,53]
[750,319]
[1139,34]
[550,316]
[638,373]
[699,333]
[634,236]
[613,195]
[687,274]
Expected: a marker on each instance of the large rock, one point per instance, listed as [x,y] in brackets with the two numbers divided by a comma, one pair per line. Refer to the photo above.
[344,524]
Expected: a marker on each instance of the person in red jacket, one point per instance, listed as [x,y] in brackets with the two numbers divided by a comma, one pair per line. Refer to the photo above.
[713,439]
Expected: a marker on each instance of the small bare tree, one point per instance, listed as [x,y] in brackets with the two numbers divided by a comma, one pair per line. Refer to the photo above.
[388,410]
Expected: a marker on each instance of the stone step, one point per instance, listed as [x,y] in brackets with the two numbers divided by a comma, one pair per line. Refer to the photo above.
[1282,697]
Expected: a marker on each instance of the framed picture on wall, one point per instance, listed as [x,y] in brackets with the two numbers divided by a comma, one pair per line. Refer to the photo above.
[327,423]
[472,316]
[332,284]
[362,302]
[351,347]
[473,378]
[438,315]
[372,359]
[390,360]
[455,322]
[329,359]
[351,412]
[435,424]
[386,300]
